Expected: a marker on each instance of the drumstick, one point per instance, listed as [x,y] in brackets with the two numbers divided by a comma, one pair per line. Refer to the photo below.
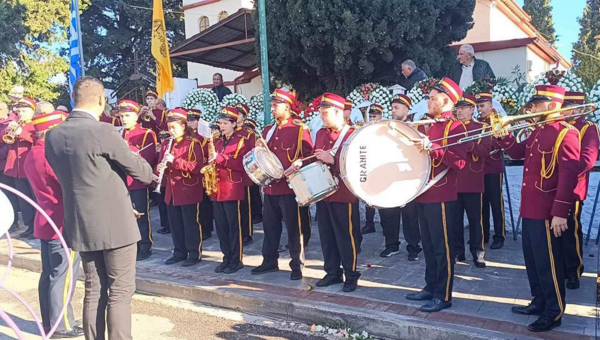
[402,133]
[142,149]
[313,156]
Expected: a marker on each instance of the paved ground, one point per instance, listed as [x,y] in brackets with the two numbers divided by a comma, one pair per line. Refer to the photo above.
[482,297]
[157,317]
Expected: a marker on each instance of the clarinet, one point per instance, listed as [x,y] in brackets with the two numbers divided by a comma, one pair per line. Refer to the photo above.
[164,163]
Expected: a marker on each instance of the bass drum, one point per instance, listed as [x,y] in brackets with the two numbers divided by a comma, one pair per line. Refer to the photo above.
[381,166]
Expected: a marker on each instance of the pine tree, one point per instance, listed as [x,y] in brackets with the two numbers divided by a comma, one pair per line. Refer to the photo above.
[336,45]
[586,51]
[541,18]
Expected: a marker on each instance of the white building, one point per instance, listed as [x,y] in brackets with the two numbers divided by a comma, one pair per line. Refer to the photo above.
[502,35]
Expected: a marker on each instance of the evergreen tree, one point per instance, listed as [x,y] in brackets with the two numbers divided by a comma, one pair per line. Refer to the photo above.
[541,18]
[12,30]
[336,45]
[586,51]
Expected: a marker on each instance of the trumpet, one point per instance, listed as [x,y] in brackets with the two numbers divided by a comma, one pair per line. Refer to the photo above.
[146,113]
[163,164]
[10,135]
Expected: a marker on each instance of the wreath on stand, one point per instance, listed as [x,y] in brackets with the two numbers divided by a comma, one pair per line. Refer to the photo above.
[233,99]
[421,89]
[311,111]
[594,98]
[506,94]
[205,101]
[376,94]
[257,111]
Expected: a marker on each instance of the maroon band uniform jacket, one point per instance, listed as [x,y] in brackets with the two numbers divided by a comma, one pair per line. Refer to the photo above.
[494,164]
[114,121]
[290,141]
[589,138]
[18,151]
[470,179]
[230,169]
[139,138]
[250,136]
[325,140]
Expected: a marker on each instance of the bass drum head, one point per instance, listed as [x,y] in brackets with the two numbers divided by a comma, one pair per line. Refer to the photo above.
[382,167]
[268,162]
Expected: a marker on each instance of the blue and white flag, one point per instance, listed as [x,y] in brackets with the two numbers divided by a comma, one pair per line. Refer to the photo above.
[75,50]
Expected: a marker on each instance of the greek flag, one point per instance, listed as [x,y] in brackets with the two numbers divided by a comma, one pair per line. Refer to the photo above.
[75,51]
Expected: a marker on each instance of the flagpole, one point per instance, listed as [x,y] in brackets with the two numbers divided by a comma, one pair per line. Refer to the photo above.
[80,38]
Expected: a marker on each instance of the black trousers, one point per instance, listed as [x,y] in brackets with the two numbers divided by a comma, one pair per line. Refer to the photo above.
[410,227]
[140,201]
[306,224]
[186,231]
[390,222]
[229,229]
[28,212]
[109,287]
[338,223]
[12,198]
[162,207]
[545,267]
[207,217]
[276,210]
[256,202]
[493,197]
[370,215]
[54,282]
[246,214]
[435,220]
[572,243]
[471,203]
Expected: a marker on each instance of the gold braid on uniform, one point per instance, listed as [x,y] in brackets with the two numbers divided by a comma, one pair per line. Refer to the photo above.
[547,172]
[239,147]
[444,143]
[191,158]
[300,124]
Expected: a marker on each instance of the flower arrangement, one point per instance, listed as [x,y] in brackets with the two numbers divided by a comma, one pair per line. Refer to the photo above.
[374,93]
[204,100]
[529,89]
[421,90]
[594,97]
[571,82]
[233,99]
[311,111]
[257,111]
[506,94]
[483,85]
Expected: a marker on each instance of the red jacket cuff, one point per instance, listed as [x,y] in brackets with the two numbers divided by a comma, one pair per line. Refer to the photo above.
[561,208]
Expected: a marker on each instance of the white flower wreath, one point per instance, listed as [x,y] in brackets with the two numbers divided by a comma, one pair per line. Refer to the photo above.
[257,109]
[233,99]
[204,100]
[594,97]
[571,82]
[377,94]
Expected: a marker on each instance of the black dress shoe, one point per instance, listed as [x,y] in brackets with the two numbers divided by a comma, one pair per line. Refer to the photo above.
[480,264]
[164,231]
[413,256]
[530,309]
[281,248]
[206,236]
[173,260]
[368,229]
[247,240]
[296,275]
[544,324]
[497,244]
[460,258]
[257,219]
[221,268]
[420,296]
[13,227]
[190,262]
[26,234]
[73,333]
[329,280]
[435,305]
[263,269]
[350,286]
[572,282]
[143,255]
[233,268]
[389,252]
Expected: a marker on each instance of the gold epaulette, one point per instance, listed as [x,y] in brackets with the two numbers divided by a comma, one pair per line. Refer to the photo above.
[299,122]
[567,125]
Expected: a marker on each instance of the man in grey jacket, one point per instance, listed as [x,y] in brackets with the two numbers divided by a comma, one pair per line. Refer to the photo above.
[469,69]
[92,161]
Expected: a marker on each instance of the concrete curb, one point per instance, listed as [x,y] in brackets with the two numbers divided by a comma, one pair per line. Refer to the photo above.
[377,323]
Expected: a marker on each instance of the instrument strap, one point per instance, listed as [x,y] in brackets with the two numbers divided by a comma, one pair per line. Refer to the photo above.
[340,139]
[436,179]
[271,132]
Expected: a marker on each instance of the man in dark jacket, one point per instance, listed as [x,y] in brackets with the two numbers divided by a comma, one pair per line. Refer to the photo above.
[469,69]
[220,89]
[411,75]
[92,161]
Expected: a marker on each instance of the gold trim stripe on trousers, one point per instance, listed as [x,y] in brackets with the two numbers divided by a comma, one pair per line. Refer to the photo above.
[447,251]
[352,236]
[558,296]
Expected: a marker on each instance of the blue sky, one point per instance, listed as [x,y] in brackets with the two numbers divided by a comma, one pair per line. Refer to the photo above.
[565,14]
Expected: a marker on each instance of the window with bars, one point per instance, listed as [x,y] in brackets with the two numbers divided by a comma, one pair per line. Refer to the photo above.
[203,23]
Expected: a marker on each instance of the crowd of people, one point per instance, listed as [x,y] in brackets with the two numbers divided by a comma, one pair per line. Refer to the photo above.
[99,158]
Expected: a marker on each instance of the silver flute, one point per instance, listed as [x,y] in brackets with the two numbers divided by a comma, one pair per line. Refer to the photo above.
[164,166]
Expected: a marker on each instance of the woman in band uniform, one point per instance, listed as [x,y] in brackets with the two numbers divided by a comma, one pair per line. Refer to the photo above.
[183,191]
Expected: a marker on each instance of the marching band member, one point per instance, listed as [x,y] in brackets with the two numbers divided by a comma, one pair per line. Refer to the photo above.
[158,124]
[305,218]
[206,208]
[250,137]
[146,112]
[230,151]
[493,179]
[183,192]
[256,201]
[289,140]
[143,142]
[158,117]
[348,112]
[56,274]
[111,116]
[470,187]
[401,105]
[572,239]
[23,133]
[337,215]
[375,115]
[7,116]
[436,205]
[550,174]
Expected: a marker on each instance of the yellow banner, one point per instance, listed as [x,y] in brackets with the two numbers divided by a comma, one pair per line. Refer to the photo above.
[160,50]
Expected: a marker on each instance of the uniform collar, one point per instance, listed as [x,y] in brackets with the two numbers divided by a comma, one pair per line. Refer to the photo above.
[445,114]
[132,128]
[179,139]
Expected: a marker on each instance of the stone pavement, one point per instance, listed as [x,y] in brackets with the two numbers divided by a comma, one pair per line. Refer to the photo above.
[481,304]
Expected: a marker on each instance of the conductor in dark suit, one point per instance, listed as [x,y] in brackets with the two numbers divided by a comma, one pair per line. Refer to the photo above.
[92,162]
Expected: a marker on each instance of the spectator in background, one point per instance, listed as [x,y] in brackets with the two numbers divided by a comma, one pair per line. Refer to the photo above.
[62,108]
[411,75]
[220,90]
[469,69]
[6,117]
[44,107]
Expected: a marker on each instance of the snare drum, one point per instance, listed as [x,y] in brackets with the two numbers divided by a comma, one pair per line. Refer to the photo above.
[313,183]
[382,167]
[262,166]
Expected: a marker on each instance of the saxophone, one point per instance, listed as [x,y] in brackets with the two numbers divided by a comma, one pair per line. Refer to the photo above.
[209,180]
[162,172]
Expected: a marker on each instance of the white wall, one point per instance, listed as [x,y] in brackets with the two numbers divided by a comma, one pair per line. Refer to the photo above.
[538,65]
[204,74]
[502,28]
[504,61]
[250,89]
[481,28]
